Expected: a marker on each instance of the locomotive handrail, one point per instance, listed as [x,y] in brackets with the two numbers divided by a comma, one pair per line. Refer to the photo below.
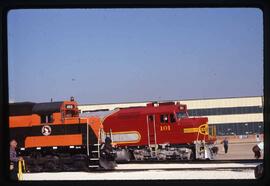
[111,135]
[203,141]
[198,133]
[87,136]
[148,135]
[21,168]
[213,133]
[99,138]
[155,132]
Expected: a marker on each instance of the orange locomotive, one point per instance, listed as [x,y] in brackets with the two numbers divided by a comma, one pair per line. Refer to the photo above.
[52,136]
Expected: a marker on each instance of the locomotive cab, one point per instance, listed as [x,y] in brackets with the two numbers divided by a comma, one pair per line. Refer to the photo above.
[70,110]
[182,112]
[56,112]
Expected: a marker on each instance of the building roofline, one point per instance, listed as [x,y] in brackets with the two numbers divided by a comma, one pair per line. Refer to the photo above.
[191,99]
[221,98]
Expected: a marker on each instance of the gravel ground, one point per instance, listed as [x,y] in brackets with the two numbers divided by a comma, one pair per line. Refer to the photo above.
[143,175]
[236,151]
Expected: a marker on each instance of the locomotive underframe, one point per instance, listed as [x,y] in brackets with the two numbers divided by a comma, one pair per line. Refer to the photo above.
[197,150]
[64,158]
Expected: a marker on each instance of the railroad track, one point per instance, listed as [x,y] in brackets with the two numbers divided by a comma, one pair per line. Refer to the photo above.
[194,161]
[216,165]
[174,165]
[182,169]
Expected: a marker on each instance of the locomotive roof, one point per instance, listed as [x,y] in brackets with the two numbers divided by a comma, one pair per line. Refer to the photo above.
[21,108]
[100,114]
[47,108]
[162,108]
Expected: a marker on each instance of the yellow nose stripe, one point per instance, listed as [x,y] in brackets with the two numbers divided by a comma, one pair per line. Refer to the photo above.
[190,130]
[203,129]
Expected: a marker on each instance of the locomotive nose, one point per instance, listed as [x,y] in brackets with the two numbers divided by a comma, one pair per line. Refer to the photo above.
[202,125]
[204,120]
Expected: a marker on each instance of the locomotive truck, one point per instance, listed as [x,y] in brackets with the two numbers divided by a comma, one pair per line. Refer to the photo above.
[52,136]
[158,131]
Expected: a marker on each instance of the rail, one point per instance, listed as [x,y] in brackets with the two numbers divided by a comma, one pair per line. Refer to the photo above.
[184,167]
[195,161]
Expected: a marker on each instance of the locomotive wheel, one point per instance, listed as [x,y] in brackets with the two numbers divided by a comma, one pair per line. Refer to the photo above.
[129,156]
[123,155]
[49,166]
[35,168]
[80,162]
[28,162]
[81,165]
[192,156]
[51,163]
[132,157]
[68,167]
[57,163]
[32,163]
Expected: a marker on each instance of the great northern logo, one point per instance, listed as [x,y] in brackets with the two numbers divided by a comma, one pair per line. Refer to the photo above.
[46,130]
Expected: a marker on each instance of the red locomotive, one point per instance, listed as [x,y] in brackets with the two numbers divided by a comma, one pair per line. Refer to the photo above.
[158,131]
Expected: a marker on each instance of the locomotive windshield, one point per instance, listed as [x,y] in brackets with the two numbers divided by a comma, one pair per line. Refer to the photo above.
[71,113]
[181,115]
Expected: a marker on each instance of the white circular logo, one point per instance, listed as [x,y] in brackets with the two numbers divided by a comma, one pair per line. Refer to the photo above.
[46,130]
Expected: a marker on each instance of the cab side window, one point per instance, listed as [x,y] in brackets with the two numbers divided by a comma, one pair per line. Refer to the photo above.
[172,118]
[164,118]
[151,118]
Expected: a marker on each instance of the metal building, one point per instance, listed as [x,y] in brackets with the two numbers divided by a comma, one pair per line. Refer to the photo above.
[231,116]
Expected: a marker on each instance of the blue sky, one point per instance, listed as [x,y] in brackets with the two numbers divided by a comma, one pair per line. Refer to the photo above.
[126,55]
